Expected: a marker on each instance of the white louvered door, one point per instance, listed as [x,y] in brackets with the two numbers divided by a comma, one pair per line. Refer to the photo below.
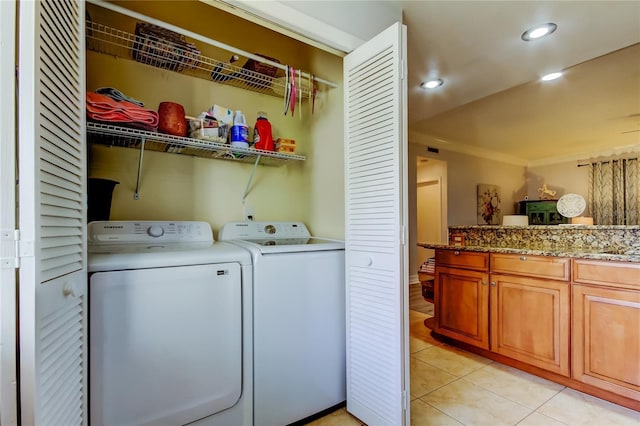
[52,213]
[376,234]
[8,311]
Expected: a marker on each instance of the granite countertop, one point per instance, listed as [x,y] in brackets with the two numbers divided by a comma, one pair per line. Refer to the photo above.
[549,227]
[627,256]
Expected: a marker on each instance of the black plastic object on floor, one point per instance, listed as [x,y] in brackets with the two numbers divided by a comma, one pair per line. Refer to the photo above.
[100,192]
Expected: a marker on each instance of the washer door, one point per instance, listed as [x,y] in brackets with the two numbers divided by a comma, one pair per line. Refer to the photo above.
[165,344]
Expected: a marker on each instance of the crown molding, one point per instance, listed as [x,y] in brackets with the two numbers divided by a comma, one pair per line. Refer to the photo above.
[474,151]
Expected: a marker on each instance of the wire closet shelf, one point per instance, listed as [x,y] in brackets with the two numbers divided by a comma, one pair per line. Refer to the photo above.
[110,135]
[165,54]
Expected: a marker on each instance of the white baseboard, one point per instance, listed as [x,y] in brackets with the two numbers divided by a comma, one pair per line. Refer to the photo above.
[413,279]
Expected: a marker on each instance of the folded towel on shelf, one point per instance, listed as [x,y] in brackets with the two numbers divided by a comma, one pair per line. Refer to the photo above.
[102,108]
[117,95]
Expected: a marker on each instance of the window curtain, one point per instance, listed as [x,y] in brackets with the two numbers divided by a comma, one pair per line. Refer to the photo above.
[613,192]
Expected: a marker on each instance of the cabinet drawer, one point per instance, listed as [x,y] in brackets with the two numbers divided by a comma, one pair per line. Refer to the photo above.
[463,259]
[556,268]
[614,274]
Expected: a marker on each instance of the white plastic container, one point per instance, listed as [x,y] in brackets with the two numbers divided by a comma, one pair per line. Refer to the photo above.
[239,131]
[515,220]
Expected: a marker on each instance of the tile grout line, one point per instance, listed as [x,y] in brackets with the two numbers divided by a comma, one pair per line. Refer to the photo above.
[439,410]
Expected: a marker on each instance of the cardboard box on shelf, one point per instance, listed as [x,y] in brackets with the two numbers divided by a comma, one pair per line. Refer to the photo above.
[285,145]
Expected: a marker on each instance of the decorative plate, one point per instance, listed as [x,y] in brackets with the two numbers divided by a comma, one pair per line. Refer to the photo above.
[571,205]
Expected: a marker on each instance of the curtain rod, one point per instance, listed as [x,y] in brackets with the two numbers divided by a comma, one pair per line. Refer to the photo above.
[630,156]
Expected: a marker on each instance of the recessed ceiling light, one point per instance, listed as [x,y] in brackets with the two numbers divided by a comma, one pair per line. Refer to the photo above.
[432,84]
[538,31]
[551,76]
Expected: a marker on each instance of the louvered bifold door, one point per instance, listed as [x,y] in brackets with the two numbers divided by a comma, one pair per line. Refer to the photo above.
[52,216]
[376,214]
[8,308]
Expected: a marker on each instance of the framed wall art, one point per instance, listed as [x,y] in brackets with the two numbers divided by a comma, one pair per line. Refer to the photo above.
[489,204]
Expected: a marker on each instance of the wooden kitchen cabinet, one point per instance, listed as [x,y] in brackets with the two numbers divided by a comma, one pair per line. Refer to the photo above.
[530,314]
[574,321]
[530,321]
[530,309]
[462,296]
[606,326]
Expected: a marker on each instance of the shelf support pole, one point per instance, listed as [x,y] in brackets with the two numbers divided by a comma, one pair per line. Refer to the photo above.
[253,171]
[136,195]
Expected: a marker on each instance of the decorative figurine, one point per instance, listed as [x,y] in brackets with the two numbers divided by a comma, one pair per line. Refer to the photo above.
[546,193]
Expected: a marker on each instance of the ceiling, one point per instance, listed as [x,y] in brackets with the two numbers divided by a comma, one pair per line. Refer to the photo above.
[492,100]
[493,103]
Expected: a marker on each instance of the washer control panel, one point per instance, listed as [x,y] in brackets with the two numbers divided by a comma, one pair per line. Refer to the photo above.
[112,232]
[261,230]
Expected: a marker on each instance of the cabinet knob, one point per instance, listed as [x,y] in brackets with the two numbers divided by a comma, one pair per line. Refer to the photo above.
[493,284]
[69,290]
[457,253]
[523,258]
[484,282]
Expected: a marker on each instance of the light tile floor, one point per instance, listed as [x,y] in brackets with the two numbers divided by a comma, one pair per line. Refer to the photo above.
[453,387]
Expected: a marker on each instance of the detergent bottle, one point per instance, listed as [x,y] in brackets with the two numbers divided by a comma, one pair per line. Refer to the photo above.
[262,137]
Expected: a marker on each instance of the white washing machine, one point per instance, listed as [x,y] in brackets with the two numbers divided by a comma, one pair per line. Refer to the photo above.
[170,325]
[298,319]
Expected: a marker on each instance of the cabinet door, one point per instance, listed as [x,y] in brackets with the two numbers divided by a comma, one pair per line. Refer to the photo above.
[606,339]
[530,321]
[462,305]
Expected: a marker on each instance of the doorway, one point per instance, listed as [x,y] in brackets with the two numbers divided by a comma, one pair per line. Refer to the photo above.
[431,211]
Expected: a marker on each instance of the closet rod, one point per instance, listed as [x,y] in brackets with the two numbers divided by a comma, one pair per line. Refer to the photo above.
[195,36]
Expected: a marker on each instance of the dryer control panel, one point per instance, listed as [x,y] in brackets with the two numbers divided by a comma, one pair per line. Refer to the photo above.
[114,232]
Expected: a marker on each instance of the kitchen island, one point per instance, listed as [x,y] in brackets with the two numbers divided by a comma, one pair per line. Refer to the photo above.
[559,302]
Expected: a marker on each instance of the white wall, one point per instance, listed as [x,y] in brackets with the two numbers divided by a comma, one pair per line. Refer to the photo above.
[338,25]
[565,178]
[431,205]
[464,173]
[379,15]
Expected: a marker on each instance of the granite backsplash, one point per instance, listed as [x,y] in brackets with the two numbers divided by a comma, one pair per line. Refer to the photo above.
[595,239]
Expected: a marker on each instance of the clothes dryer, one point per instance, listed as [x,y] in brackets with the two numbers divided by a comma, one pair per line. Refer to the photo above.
[170,325]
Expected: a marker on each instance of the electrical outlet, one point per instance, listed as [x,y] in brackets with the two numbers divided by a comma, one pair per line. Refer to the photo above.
[248,213]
